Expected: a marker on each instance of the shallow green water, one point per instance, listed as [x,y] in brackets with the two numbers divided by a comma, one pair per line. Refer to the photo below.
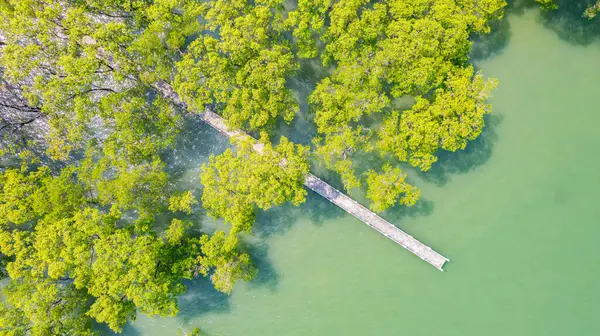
[518,214]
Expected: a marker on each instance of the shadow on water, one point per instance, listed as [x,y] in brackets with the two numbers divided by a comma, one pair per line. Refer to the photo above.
[302,129]
[491,44]
[570,25]
[267,276]
[567,21]
[477,153]
[201,298]
[399,213]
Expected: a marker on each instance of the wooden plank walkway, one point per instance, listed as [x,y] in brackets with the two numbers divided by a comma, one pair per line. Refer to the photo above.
[324,189]
[376,222]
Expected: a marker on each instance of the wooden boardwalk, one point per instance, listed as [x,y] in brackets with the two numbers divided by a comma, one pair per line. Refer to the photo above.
[373,220]
[333,195]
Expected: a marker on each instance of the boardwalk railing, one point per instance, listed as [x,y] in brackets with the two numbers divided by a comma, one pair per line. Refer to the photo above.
[333,195]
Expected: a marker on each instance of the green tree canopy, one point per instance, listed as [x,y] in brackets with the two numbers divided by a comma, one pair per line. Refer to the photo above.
[237,181]
[388,188]
[384,51]
[64,243]
[85,65]
[452,117]
[240,65]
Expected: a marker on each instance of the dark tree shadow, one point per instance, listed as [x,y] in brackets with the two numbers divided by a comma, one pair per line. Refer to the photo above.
[201,298]
[492,44]
[399,212]
[569,23]
[477,153]
[267,276]
[302,129]
[518,7]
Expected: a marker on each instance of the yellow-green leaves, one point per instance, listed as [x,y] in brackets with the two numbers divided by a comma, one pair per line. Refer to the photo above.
[258,94]
[25,196]
[140,128]
[220,253]
[71,242]
[176,231]
[127,274]
[389,187]
[234,183]
[15,69]
[182,202]
[336,149]
[591,11]
[482,12]
[344,100]
[16,206]
[307,22]
[41,307]
[221,189]
[548,4]
[353,31]
[449,121]
[241,66]
[140,188]
[69,58]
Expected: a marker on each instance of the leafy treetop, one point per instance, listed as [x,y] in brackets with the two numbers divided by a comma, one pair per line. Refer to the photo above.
[240,64]
[391,49]
[236,182]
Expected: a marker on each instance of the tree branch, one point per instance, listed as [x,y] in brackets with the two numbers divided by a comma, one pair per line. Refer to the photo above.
[19,125]
[22,108]
[92,90]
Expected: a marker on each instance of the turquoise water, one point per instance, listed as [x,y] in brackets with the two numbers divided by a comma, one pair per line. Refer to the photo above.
[517,213]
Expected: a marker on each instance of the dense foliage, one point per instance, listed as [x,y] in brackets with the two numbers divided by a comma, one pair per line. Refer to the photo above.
[386,51]
[86,119]
[78,228]
[240,64]
[72,237]
[236,183]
